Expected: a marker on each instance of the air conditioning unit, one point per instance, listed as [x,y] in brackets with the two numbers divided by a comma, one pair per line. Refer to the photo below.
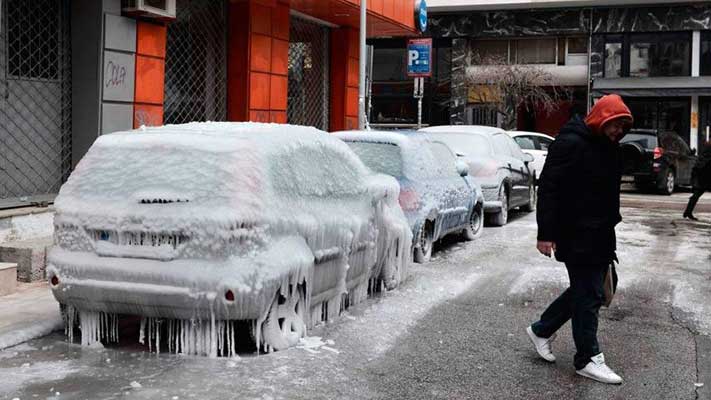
[158,9]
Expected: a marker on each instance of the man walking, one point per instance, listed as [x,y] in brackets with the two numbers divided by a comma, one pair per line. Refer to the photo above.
[700,180]
[578,208]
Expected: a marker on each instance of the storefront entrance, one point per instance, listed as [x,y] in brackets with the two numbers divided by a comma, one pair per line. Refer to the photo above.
[307,102]
[665,114]
[35,100]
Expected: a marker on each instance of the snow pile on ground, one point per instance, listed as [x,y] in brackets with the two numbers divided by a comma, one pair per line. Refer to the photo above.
[225,218]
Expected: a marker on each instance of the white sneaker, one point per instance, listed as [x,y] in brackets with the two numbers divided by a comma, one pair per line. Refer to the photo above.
[599,371]
[543,345]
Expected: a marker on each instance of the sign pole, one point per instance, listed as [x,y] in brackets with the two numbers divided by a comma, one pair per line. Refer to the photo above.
[361,78]
[419,94]
[419,65]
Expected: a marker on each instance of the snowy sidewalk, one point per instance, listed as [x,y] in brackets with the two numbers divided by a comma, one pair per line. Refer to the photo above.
[29,313]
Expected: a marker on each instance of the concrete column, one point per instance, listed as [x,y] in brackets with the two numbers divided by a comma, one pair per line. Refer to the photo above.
[459,88]
[694,134]
[696,53]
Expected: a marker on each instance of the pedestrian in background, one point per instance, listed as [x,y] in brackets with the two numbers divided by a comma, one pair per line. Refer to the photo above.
[578,209]
[700,180]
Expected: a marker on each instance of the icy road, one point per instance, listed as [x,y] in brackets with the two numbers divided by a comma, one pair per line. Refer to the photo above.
[454,330]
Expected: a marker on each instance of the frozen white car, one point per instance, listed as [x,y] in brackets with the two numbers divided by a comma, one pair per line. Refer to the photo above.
[535,144]
[199,228]
[497,164]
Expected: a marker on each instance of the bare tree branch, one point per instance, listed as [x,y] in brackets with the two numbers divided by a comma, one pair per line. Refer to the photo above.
[509,87]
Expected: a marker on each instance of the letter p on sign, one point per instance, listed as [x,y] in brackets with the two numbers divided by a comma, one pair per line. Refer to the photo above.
[412,56]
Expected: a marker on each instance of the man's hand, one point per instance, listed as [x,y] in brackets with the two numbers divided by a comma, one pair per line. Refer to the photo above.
[546,248]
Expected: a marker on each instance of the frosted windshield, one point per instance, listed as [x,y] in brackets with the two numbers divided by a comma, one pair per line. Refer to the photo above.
[467,145]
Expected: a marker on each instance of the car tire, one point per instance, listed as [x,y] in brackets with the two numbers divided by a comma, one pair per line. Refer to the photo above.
[532,194]
[284,324]
[425,238]
[475,227]
[502,217]
[668,182]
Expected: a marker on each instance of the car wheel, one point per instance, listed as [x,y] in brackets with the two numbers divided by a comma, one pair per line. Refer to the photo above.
[501,217]
[668,182]
[476,224]
[284,324]
[423,250]
[531,205]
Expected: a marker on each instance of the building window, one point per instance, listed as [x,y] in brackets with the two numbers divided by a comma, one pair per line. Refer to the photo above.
[389,64]
[660,55]
[705,58]
[613,60]
[648,55]
[490,52]
[578,45]
[536,51]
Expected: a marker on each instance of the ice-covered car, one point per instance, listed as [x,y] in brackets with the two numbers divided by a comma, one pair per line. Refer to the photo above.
[497,163]
[206,227]
[436,193]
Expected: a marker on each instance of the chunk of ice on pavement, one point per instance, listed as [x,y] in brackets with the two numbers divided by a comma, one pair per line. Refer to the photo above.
[136,385]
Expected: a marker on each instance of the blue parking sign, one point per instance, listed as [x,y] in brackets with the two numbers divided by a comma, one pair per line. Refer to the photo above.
[419,57]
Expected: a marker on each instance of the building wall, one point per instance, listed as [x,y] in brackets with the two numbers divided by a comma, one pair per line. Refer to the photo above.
[344,79]
[258,54]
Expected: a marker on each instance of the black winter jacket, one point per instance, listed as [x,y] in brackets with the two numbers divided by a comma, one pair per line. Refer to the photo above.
[701,174]
[579,195]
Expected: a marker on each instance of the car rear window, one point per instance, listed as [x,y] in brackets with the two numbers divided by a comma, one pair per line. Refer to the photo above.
[385,158]
[648,141]
[469,145]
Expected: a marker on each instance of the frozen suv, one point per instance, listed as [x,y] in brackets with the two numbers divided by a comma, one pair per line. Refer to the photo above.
[199,228]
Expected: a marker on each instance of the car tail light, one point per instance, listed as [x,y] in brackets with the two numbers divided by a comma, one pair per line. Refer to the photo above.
[54,281]
[229,296]
[658,152]
[409,200]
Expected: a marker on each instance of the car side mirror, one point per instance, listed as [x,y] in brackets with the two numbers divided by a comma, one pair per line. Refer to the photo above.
[528,158]
[462,168]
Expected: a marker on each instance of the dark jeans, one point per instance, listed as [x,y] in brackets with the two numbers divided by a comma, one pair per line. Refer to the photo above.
[581,302]
[693,200]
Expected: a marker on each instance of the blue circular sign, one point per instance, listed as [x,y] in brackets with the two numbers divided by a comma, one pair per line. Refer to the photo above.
[421,15]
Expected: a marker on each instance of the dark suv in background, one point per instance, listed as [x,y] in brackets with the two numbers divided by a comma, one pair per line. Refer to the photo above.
[660,160]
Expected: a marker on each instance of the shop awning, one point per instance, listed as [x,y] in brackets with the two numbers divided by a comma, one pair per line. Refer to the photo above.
[653,87]
[385,17]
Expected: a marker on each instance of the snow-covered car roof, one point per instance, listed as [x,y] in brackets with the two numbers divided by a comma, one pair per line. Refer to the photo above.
[416,161]
[215,165]
[464,129]
[527,133]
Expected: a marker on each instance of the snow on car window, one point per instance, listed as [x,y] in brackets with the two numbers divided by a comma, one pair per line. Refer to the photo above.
[315,170]
[466,144]
[119,173]
[384,158]
[525,142]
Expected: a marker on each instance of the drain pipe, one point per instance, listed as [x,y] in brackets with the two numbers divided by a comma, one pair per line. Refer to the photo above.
[361,68]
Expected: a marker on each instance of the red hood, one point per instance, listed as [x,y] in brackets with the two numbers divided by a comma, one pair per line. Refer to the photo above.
[605,110]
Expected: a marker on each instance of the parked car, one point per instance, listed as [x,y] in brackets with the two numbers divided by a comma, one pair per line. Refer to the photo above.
[436,193]
[535,144]
[497,163]
[660,160]
[199,228]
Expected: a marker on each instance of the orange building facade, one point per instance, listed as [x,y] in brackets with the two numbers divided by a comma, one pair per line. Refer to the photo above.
[258,45]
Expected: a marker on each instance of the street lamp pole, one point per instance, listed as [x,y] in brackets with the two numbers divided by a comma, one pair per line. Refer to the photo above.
[361,68]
